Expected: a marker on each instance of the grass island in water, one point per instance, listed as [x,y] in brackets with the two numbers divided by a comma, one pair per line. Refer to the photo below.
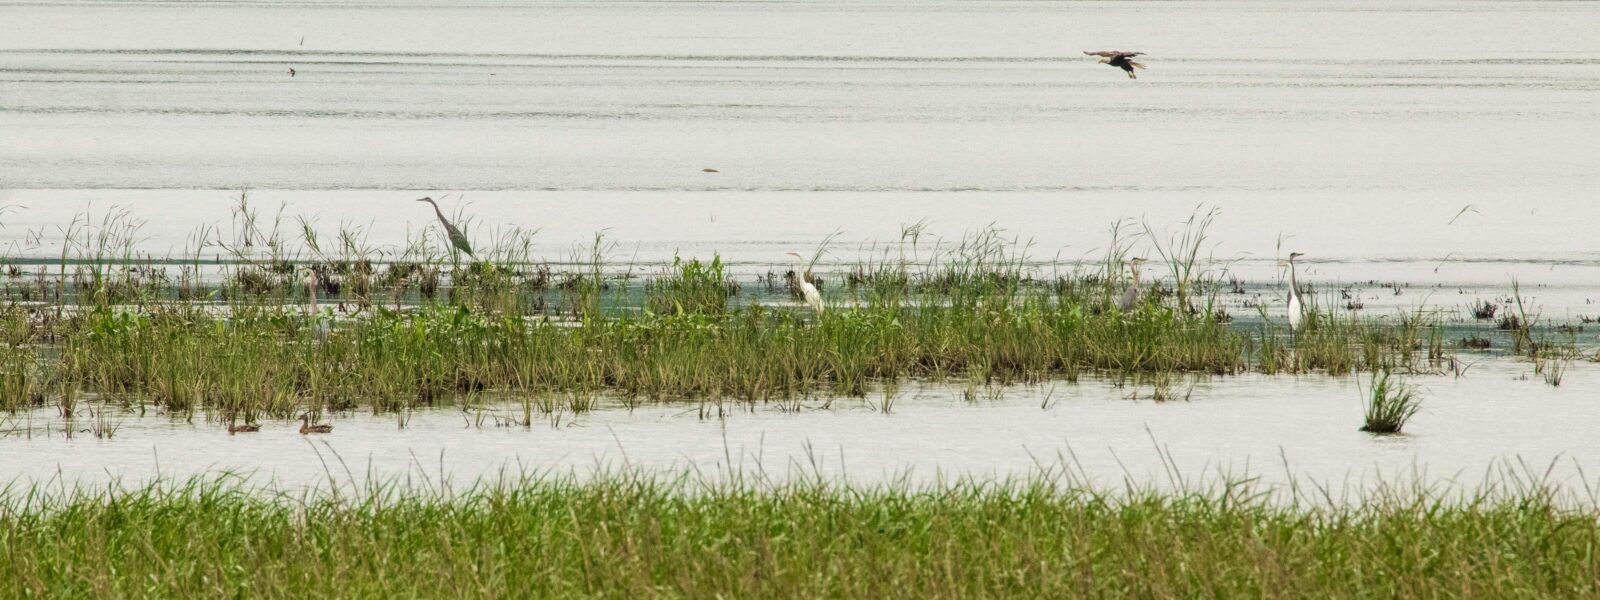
[420,326]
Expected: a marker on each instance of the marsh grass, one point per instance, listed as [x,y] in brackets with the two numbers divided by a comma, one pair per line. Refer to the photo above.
[1550,355]
[1390,403]
[1339,343]
[1553,359]
[412,327]
[691,287]
[630,536]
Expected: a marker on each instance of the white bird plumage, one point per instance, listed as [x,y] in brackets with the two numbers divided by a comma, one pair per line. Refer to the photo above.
[809,292]
[1296,306]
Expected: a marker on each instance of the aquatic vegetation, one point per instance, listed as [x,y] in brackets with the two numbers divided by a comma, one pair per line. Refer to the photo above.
[1550,355]
[634,535]
[1391,402]
[1340,344]
[413,327]
[1484,310]
[691,287]
[1552,359]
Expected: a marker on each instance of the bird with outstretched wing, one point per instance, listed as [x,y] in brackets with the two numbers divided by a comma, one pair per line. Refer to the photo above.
[1119,59]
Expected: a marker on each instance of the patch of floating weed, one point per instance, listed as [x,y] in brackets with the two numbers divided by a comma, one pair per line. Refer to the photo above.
[1391,403]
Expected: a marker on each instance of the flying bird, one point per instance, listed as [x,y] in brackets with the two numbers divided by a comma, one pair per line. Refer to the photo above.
[1464,210]
[1119,59]
[457,239]
[291,71]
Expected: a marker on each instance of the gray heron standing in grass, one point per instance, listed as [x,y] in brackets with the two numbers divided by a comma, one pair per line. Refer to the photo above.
[457,239]
[1119,59]
[1130,298]
[321,324]
[801,281]
[1297,307]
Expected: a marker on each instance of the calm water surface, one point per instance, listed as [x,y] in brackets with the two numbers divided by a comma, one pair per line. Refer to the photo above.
[1448,146]
[1273,428]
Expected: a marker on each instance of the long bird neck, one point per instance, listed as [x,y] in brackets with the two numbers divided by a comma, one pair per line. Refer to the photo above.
[1294,285]
[799,271]
[438,212]
[1136,277]
[311,292]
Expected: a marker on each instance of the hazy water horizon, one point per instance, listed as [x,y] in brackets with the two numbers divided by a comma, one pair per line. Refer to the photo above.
[1366,98]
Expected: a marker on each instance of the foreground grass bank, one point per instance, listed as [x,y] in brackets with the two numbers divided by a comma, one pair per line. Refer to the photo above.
[633,537]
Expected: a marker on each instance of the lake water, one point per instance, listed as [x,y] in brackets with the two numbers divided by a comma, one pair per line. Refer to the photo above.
[1449,146]
[1497,416]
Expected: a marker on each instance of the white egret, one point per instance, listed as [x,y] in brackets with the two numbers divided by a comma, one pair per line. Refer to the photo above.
[1296,306]
[1119,59]
[1130,298]
[457,239]
[809,292]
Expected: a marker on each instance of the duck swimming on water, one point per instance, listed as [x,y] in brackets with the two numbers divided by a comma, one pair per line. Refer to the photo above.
[307,428]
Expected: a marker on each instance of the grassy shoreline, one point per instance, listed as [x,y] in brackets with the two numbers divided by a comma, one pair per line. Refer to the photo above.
[631,536]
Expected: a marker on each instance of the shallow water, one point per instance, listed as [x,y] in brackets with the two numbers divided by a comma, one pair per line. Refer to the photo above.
[1498,414]
[1443,146]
